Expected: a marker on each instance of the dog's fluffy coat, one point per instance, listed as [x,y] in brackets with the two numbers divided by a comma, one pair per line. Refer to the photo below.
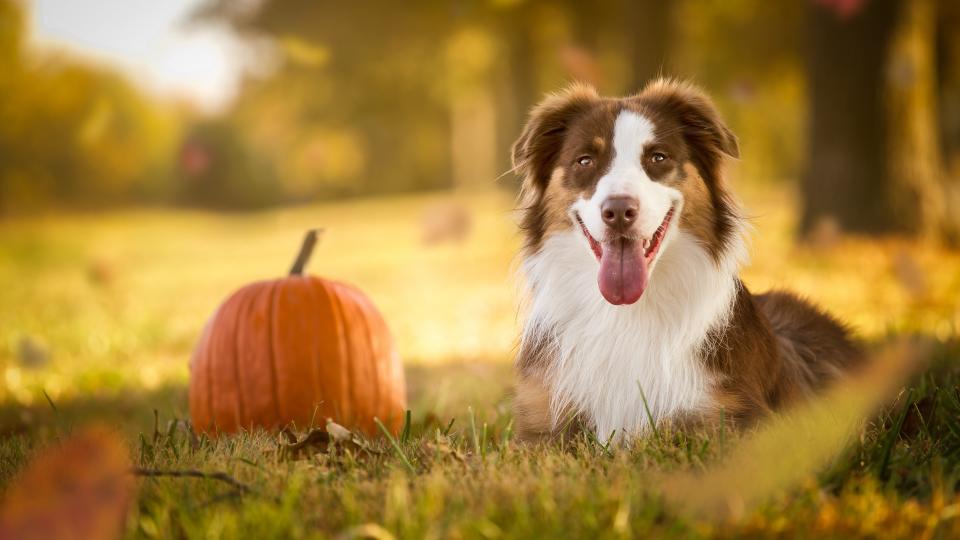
[696,342]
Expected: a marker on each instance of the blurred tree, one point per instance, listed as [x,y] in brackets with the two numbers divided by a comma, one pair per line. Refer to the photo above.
[362,75]
[647,45]
[432,94]
[217,171]
[948,69]
[73,133]
[873,147]
[11,36]
[913,145]
[748,54]
[373,97]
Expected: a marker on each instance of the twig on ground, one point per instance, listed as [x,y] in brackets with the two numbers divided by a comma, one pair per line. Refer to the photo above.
[192,473]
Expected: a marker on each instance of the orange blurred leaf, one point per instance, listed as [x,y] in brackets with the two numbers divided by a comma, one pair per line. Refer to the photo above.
[78,489]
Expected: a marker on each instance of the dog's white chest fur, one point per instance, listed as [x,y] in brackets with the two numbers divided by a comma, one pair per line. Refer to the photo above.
[604,354]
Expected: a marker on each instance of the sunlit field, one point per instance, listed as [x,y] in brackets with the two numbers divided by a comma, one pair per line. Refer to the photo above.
[100,314]
[117,300]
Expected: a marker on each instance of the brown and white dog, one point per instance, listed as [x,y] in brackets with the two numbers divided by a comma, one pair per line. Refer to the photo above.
[633,246]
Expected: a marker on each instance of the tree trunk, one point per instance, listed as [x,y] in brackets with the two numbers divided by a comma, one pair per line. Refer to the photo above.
[873,161]
[948,69]
[913,148]
[518,86]
[649,39]
[845,182]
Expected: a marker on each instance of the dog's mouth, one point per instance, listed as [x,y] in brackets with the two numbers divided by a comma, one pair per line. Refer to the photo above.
[625,262]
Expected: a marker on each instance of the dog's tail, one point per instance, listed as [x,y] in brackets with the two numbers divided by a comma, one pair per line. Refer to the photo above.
[815,348]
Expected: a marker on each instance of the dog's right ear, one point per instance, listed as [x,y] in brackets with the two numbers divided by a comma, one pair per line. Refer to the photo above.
[535,152]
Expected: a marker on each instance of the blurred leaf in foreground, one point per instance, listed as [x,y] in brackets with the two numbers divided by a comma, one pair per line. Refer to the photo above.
[79,489]
[793,447]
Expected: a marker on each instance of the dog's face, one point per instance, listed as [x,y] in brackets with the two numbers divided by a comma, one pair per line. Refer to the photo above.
[628,174]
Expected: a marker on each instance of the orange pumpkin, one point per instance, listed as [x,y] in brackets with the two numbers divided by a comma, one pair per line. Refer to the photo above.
[296,350]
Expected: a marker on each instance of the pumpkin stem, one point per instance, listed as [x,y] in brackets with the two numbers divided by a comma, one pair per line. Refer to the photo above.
[306,249]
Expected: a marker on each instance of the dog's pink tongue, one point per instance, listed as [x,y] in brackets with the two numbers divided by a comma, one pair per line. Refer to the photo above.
[623,272]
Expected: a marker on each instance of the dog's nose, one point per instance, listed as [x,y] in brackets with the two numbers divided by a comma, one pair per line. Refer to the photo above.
[619,213]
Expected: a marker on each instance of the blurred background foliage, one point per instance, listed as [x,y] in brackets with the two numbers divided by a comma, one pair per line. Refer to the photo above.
[372,97]
[74,133]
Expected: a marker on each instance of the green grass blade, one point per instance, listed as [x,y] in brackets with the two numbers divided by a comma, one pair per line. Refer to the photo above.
[396,445]
[473,431]
[892,436]
[646,407]
[405,432]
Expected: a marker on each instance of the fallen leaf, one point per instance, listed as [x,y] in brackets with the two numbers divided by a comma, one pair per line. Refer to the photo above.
[78,489]
[442,447]
[338,432]
[315,440]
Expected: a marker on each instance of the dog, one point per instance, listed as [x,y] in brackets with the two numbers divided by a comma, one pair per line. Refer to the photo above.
[634,313]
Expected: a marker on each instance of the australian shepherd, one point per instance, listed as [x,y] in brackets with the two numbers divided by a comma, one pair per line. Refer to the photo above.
[634,311]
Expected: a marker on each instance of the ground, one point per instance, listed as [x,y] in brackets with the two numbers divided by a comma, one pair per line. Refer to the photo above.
[100,313]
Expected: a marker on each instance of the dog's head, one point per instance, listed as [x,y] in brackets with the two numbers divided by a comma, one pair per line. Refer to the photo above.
[627,173]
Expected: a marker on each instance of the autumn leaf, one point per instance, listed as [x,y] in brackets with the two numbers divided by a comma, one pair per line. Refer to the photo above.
[77,489]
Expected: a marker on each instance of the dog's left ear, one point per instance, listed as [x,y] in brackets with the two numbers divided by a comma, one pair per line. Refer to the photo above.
[703,127]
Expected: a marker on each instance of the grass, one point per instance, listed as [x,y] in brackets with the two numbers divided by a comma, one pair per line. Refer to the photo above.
[100,313]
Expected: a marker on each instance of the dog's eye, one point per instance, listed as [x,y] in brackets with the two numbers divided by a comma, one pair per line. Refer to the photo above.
[658,157]
[585,161]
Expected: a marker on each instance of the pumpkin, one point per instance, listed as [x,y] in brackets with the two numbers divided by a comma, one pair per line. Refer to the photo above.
[299,349]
